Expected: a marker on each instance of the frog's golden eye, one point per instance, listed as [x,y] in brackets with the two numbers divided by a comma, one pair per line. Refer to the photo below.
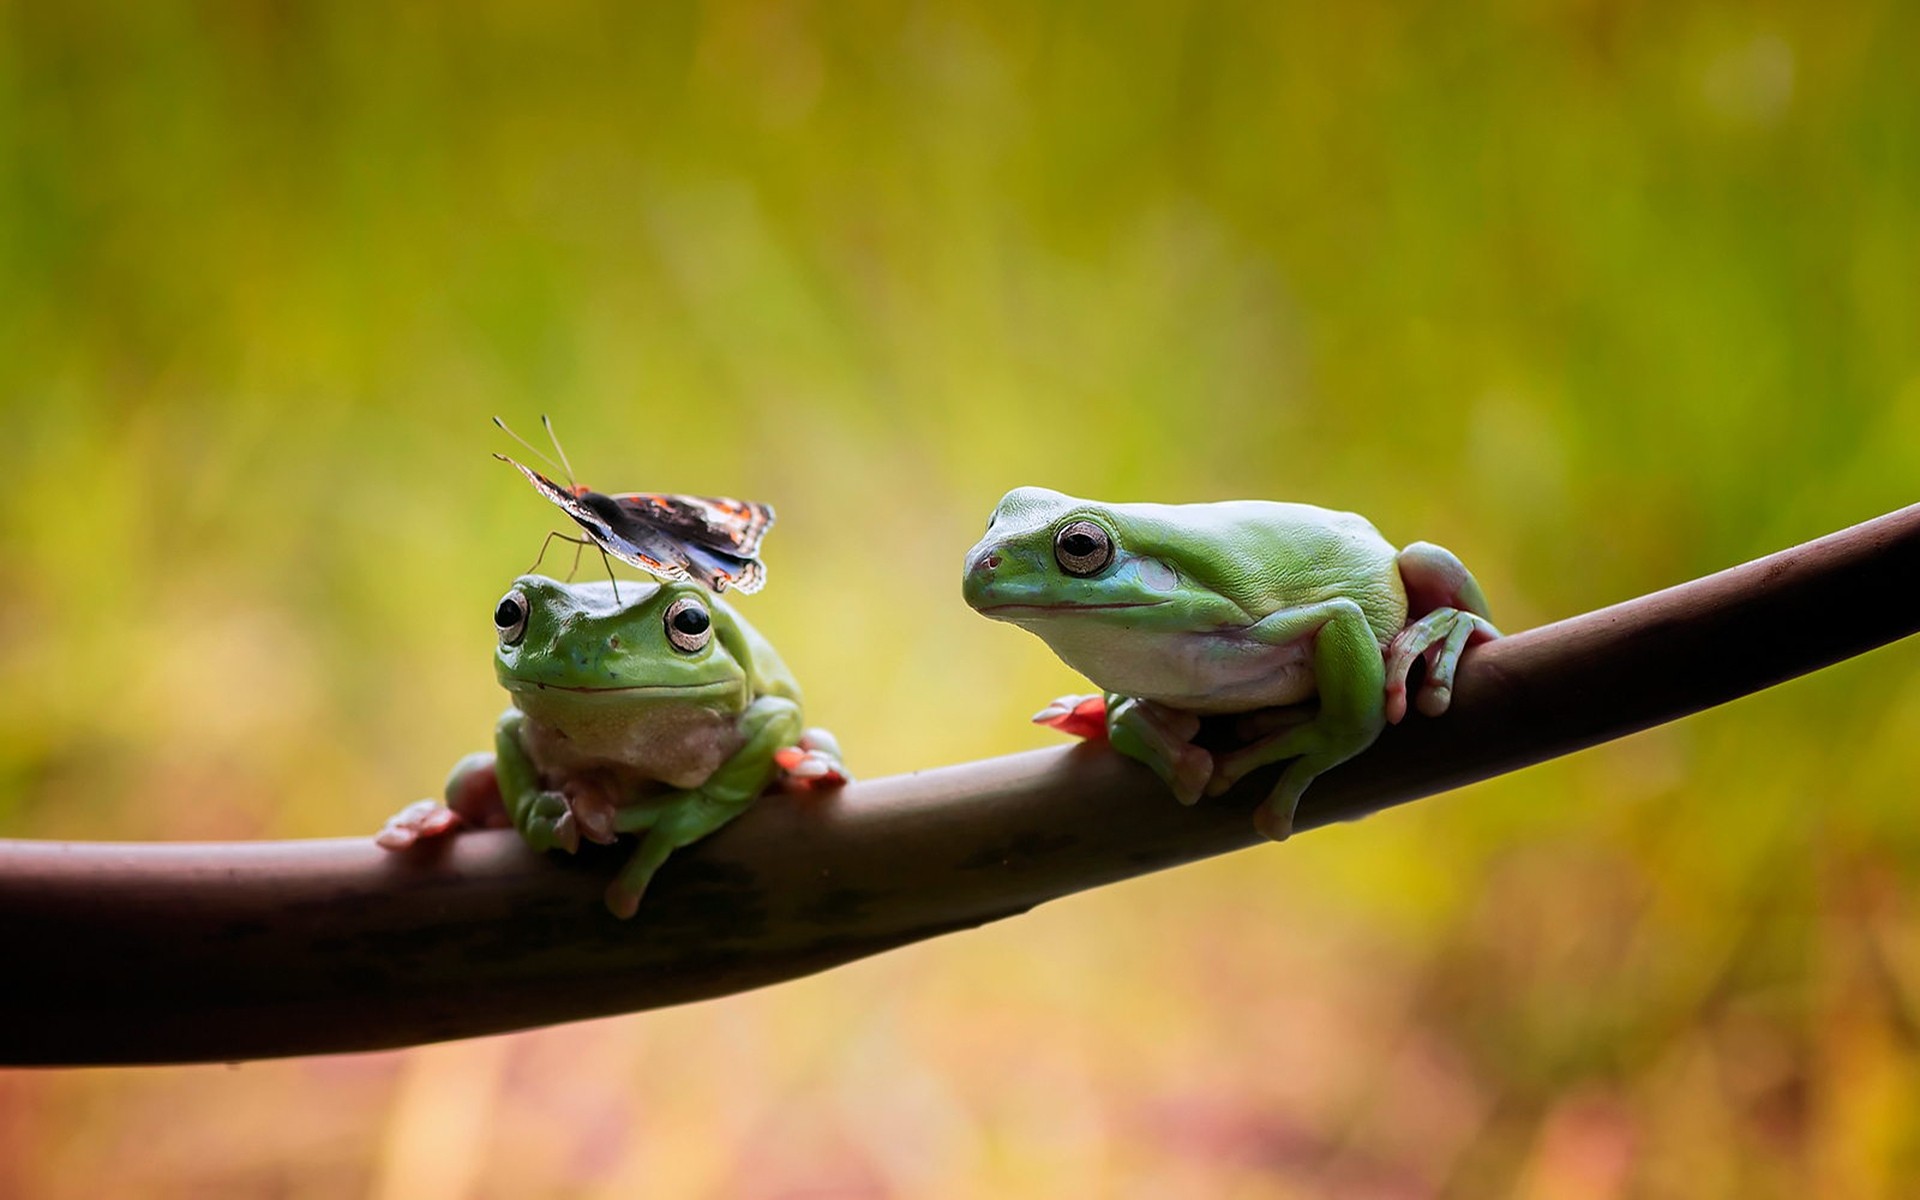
[688,626]
[510,618]
[1082,548]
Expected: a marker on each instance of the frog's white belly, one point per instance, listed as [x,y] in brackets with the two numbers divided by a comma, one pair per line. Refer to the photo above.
[1216,671]
[679,745]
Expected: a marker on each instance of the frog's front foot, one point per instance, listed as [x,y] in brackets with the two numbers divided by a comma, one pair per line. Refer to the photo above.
[812,764]
[472,802]
[1076,716]
[595,805]
[421,819]
[548,823]
[1440,637]
[1162,738]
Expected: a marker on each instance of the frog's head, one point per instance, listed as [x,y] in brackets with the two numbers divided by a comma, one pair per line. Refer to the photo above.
[1048,556]
[572,647]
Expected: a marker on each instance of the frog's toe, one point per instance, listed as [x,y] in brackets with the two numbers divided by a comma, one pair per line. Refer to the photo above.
[1190,774]
[1274,817]
[550,824]
[621,900]
[1275,822]
[595,822]
[802,769]
[421,819]
[1396,701]
[1440,638]
[1077,716]
[815,738]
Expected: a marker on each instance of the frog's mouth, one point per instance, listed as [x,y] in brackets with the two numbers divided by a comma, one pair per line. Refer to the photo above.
[521,683]
[1048,610]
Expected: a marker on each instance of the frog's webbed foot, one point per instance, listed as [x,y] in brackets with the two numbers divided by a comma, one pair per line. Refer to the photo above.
[811,765]
[1076,716]
[594,801]
[472,802]
[1446,613]
[1440,636]
[548,823]
[1162,738]
[423,819]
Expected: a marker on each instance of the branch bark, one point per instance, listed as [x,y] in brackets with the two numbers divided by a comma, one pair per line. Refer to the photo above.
[182,952]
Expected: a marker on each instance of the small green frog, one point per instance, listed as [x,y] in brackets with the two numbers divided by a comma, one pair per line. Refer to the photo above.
[1178,611]
[659,712]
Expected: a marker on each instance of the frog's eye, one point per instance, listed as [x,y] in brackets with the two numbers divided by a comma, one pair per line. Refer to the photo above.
[688,625]
[1082,548]
[510,618]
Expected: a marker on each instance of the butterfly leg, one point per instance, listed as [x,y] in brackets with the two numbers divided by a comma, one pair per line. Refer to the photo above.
[608,564]
[579,544]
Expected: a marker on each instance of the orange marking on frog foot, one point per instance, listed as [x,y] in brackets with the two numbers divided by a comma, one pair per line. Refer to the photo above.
[1076,716]
[807,770]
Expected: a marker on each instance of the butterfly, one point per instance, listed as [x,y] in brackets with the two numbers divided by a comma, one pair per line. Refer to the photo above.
[714,540]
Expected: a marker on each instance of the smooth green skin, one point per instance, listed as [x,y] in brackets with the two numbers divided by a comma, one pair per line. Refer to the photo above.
[1233,607]
[614,729]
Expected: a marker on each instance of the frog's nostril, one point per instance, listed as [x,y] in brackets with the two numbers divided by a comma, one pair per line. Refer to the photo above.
[988,563]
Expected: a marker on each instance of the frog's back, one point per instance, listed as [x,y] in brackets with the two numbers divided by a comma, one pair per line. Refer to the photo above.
[1269,555]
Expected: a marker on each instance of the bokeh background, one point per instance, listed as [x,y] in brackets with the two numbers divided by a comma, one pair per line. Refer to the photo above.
[1601,295]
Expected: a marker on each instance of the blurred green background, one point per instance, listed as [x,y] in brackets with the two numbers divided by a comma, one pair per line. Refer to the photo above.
[1602,296]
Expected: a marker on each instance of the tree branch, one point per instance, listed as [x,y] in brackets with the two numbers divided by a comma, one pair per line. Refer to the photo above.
[179,952]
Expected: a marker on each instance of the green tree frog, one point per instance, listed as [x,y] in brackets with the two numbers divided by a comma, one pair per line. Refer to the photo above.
[1180,611]
[659,712]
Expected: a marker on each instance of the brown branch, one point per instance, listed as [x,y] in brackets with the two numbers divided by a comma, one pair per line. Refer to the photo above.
[175,952]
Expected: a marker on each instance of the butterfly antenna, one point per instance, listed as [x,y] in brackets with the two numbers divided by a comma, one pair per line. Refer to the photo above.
[555,439]
[534,450]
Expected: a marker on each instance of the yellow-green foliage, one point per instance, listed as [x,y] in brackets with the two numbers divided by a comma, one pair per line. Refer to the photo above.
[1600,295]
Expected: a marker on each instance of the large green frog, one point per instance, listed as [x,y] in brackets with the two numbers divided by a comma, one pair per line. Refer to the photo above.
[658,711]
[1179,611]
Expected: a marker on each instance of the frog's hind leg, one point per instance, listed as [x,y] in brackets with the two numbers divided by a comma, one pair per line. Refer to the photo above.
[691,817]
[682,818]
[1447,613]
[1348,671]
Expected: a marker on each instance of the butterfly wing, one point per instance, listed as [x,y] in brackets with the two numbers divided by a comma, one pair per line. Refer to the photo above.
[627,544]
[720,570]
[718,537]
[713,539]
[733,527]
